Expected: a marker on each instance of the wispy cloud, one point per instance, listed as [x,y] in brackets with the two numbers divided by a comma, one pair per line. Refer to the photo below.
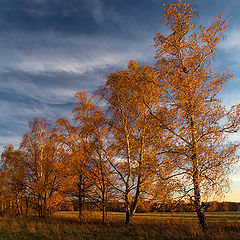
[232,40]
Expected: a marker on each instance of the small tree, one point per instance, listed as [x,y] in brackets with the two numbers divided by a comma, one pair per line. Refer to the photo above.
[83,144]
[14,176]
[102,189]
[91,121]
[40,159]
[74,165]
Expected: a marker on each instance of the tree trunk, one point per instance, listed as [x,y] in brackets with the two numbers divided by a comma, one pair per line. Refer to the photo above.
[103,206]
[21,207]
[127,203]
[39,207]
[198,205]
[128,217]
[80,198]
[80,206]
[18,205]
[103,191]
[27,205]
[139,179]
[136,197]
[103,213]
[45,210]
[128,211]
[196,179]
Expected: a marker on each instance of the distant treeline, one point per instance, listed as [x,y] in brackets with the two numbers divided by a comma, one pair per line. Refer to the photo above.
[213,206]
[151,206]
[182,206]
[118,206]
[175,206]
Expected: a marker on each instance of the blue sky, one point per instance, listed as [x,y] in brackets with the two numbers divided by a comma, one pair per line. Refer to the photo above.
[50,49]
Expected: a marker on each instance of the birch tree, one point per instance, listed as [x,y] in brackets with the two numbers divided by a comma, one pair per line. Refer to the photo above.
[195,118]
[40,158]
[84,144]
[133,137]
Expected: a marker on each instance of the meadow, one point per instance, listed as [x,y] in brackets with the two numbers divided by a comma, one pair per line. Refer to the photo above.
[66,225]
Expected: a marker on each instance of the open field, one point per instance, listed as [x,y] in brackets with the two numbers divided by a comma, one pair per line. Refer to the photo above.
[156,217]
[65,225]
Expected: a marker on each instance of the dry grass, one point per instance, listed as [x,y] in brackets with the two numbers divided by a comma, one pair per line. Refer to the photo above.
[139,217]
[66,226]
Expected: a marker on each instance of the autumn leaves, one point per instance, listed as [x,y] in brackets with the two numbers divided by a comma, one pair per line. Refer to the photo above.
[163,132]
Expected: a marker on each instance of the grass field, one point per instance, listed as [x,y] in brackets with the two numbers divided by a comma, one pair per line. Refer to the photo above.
[156,217]
[65,225]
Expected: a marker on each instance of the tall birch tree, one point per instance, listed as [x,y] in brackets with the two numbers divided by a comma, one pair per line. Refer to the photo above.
[195,118]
